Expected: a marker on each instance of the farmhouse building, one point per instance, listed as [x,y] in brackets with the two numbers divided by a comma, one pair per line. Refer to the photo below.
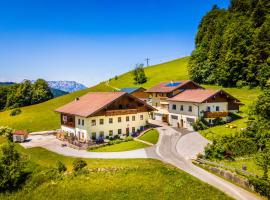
[189,105]
[161,92]
[138,92]
[104,114]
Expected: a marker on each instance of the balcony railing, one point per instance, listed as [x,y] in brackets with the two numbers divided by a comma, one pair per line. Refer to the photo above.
[124,111]
[69,124]
[215,114]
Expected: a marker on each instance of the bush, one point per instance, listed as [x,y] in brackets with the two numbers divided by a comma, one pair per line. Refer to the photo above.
[200,124]
[12,168]
[16,111]
[7,132]
[218,121]
[261,186]
[116,137]
[61,167]
[129,138]
[78,164]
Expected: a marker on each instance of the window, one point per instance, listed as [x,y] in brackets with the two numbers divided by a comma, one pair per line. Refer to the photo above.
[101,121]
[101,134]
[181,108]
[174,107]
[82,122]
[174,116]
[133,118]
[94,136]
[156,95]
[127,118]
[133,129]
[93,122]
[79,121]
[110,132]
[110,120]
[119,119]
[141,117]
[190,108]
[217,108]
[64,118]
[119,131]
[208,108]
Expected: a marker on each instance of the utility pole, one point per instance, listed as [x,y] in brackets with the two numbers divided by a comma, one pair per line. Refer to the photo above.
[147,61]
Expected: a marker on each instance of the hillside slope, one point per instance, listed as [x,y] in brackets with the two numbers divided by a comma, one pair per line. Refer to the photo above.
[41,116]
[173,70]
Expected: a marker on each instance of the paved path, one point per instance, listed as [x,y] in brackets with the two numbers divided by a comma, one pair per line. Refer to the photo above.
[51,143]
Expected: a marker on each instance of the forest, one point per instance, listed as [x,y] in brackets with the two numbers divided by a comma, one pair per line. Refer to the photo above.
[232,46]
[24,94]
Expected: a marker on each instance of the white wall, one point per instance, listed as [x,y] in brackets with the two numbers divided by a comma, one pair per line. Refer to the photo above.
[87,129]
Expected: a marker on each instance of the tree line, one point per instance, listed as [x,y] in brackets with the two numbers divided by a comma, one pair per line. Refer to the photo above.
[24,94]
[232,46]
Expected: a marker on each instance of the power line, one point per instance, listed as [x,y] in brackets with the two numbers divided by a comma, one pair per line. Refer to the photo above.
[147,61]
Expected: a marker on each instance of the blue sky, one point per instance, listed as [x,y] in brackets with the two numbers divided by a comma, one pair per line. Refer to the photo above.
[91,41]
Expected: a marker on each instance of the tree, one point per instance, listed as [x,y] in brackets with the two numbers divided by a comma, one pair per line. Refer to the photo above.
[139,75]
[12,168]
[41,92]
[263,161]
[61,167]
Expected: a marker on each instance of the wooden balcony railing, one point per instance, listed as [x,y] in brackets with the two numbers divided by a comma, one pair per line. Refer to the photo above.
[124,111]
[215,114]
[69,124]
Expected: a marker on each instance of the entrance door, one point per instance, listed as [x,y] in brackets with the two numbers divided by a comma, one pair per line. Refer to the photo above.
[182,123]
[127,131]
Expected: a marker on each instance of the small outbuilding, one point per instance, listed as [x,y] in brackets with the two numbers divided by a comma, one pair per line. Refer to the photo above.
[20,136]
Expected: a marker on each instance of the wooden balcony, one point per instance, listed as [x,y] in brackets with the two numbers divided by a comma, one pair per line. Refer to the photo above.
[68,124]
[215,114]
[124,111]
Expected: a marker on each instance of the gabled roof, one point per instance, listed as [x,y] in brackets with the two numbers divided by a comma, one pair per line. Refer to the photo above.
[169,86]
[198,95]
[93,102]
[130,90]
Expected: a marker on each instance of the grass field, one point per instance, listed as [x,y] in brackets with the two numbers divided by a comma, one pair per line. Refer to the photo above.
[124,146]
[174,70]
[150,136]
[41,116]
[123,179]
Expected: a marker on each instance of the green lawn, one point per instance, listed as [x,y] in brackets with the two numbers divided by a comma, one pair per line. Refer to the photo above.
[41,116]
[173,70]
[150,136]
[124,146]
[123,179]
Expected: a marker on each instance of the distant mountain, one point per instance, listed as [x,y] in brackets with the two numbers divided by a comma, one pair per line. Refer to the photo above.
[66,86]
[6,83]
[58,93]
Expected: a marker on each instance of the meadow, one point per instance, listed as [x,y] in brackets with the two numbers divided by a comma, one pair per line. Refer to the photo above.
[150,136]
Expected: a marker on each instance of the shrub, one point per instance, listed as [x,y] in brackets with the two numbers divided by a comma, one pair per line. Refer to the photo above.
[261,186]
[218,121]
[116,137]
[7,132]
[129,138]
[12,168]
[78,164]
[16,111]
[200,124]
[61,167]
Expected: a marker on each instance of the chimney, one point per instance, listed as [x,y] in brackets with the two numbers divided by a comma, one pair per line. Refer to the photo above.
[77,99]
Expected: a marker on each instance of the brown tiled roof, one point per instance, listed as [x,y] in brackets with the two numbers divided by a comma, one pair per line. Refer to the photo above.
[91,103]
[197,96]
[163,87]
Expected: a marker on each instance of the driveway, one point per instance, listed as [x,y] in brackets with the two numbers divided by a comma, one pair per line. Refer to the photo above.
[50,143]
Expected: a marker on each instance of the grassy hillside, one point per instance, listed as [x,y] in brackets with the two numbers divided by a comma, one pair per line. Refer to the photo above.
[109,179]
[41,116]
[173,70]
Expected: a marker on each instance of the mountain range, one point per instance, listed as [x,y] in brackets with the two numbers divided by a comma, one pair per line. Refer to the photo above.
[66,86]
